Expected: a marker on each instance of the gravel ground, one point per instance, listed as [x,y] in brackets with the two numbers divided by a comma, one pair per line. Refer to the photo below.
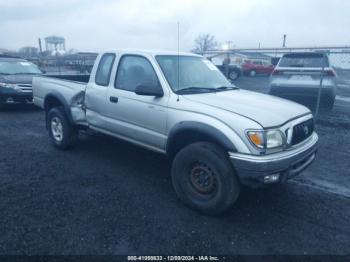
[109,197]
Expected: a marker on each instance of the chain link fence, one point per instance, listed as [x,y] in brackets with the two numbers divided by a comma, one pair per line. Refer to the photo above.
[80,63]
[320,81]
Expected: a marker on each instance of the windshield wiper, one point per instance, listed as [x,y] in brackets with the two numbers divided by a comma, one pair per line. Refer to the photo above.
[225,88]
[195,90]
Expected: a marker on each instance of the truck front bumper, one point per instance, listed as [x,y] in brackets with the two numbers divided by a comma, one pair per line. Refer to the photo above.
[16,95]
[255,171]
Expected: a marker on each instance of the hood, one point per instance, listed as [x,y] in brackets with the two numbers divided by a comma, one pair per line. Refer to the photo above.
[17,79]
[267,110]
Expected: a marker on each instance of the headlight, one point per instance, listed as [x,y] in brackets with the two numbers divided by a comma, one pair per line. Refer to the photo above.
[266,139]
[7,85]
[274,139]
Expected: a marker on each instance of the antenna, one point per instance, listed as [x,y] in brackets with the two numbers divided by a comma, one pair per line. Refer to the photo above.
[178,58]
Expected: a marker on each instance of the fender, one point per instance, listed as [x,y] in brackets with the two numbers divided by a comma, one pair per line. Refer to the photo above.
[199,128]
[57,96]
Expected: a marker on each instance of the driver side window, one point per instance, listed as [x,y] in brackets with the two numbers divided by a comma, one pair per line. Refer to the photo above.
[135,71]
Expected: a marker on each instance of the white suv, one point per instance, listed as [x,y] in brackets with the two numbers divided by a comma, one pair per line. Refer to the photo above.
[297,76]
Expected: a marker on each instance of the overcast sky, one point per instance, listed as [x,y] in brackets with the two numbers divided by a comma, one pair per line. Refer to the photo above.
[91,25]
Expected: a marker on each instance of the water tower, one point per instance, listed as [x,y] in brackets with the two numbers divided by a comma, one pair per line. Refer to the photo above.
[55,43]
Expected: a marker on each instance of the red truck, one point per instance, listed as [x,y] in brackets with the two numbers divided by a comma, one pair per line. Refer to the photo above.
[254,67]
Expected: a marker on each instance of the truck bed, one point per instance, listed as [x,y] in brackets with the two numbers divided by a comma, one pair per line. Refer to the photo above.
[72,92]
[83,78]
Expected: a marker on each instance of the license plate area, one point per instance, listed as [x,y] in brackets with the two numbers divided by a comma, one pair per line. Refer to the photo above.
[301,77]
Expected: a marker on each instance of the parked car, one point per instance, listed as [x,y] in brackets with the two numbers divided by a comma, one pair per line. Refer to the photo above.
[298,75]
[229,68]
[16,76]
[218,136]
[231,71]
[254,67]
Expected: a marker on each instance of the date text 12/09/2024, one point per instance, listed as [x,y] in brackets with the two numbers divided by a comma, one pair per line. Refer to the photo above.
[173,258]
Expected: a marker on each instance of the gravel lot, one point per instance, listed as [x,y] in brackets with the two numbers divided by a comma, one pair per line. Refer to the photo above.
[109,197]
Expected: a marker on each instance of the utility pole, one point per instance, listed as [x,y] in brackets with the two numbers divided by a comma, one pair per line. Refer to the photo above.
[320,87]
[284,40]
[229,45]
[228,58]
[40,52]
[40,48]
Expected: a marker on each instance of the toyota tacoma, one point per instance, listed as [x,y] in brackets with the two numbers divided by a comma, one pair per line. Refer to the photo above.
[218,136]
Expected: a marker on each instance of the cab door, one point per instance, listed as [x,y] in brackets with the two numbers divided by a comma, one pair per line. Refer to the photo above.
[96,90]
[138,118]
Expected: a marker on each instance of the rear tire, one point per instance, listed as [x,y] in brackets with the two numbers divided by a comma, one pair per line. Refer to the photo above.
[252,73]
[62,134]
[204,179]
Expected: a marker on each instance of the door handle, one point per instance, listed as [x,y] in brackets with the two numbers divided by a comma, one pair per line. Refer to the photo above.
[113,99]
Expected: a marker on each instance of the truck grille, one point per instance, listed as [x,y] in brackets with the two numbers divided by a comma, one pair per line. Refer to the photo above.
[302,131]
[25,87]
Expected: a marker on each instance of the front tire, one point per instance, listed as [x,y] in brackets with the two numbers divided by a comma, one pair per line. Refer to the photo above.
[62,134]
[204,179]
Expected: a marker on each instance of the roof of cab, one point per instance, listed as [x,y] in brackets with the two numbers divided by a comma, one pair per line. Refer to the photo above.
[149,52]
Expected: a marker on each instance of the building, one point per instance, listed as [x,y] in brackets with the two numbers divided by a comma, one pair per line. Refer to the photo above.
[7,52]
[28,52]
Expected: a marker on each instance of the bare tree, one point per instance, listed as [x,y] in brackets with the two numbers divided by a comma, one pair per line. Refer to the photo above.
[204,42]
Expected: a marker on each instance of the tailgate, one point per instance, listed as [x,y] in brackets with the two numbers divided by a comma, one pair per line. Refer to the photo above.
[301,77]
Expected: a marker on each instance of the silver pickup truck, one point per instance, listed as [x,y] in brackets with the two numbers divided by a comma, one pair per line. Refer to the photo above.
[218,136]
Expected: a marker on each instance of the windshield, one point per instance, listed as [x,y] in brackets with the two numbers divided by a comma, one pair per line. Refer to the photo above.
[197,74]
[18,67]
[304,60]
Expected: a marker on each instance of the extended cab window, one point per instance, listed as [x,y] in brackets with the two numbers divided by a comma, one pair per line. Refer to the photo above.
[104,69]
[135,71]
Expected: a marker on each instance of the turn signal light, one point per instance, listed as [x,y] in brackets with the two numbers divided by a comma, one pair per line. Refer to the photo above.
[256,138]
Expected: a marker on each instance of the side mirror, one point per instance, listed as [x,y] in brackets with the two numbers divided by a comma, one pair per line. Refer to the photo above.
[143,90]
